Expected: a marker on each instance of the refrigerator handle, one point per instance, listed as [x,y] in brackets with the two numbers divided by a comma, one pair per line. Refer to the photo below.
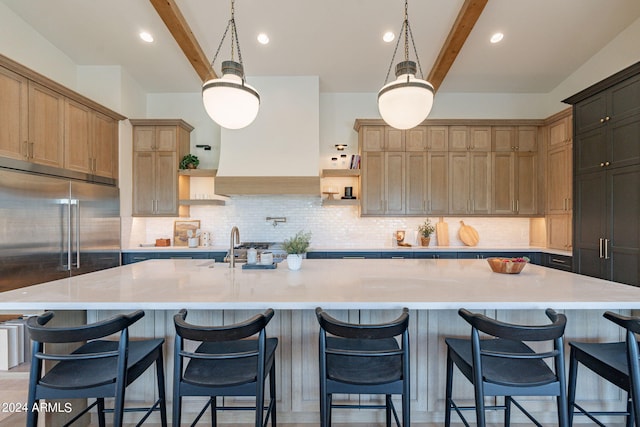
[69,254]
[76,202]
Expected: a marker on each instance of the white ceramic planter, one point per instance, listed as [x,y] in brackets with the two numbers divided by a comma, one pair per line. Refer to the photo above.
[294,261]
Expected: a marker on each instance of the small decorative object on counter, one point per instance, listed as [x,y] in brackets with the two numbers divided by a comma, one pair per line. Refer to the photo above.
[163,242]
[252,256]
[296,248]
[508,265]
[189,161]
[400,234]
[426,229]
[468,234]
[194,238]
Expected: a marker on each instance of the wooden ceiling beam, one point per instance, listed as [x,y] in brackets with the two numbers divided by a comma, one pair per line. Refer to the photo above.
[179,28]
[467,18]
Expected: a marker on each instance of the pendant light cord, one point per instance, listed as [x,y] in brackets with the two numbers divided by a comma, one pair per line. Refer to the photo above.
[406,30]
[235,44]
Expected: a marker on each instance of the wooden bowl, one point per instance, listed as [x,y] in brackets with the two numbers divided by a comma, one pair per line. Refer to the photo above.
[506,265]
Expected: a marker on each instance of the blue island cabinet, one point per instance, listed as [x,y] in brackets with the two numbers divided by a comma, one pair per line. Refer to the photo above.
[133,257]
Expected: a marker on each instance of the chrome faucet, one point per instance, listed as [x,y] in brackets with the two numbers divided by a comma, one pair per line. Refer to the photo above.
[235,233]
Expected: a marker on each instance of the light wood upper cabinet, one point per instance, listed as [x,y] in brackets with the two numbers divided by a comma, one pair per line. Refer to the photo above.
[559,231]
[105,145]
[14,110]
[371,138]
[426,183]
[373,187]
[470,138]
[560,132]
[504,138]
[158,147]
[437,138]
[469,183]
[527,139]
[515,138]
[383,183]
[394,139]
[416,139]
[46,126]
[77,135]
[90,141]
[514,183]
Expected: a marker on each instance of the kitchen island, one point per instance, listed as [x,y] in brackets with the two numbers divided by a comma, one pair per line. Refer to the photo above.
[360,290]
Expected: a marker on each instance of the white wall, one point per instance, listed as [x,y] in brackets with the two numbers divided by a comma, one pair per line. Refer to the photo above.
[23,44]
[620,53]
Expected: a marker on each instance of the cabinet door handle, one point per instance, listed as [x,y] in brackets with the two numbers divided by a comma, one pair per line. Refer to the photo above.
[31,150]
[600,247]
[26,150]
[606,248]
[517,205]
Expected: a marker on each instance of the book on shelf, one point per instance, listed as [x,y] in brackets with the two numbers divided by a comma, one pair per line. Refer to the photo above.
[355,161]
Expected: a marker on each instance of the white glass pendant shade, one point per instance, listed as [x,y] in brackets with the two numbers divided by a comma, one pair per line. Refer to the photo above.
[230,101]
[405,102]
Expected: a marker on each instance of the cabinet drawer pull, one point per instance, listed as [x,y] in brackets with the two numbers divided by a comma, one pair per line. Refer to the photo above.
[397,257]
[181,257]
[352,257]
[559,261]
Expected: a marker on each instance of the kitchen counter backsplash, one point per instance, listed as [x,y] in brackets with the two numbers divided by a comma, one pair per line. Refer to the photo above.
[331,226]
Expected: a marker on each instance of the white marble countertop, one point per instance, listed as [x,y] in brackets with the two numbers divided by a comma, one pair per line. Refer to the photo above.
[335,284]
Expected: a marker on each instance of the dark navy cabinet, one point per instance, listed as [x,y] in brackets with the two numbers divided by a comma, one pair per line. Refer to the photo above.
[132,257]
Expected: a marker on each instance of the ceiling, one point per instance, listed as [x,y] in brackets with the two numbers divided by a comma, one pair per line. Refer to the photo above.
[338,40]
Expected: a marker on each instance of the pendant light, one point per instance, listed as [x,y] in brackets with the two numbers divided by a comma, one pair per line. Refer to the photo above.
[229,100]
[405,102]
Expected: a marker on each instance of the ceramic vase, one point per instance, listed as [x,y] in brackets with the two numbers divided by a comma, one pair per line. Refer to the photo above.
[294,261]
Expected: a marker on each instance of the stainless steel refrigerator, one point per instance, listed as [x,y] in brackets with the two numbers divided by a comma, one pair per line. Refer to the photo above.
[52,228]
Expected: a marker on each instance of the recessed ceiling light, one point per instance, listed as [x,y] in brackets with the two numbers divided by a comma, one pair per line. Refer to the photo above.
[497,37]
[146,36]
[263,38]
[388,36]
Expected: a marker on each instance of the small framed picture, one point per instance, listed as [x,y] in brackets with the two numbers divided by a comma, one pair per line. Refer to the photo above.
[180,228]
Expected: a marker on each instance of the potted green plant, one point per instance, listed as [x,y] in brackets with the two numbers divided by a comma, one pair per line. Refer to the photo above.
[189,161]
[296,247]
[426,229]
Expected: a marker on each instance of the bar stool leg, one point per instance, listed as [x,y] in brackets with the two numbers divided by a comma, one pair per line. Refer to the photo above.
[161,389]
[101,420]
[571,394]
[272,393]
[447,414]
[507,411]
[387,404]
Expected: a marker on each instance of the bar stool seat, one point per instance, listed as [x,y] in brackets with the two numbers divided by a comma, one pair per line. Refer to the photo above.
[616,362]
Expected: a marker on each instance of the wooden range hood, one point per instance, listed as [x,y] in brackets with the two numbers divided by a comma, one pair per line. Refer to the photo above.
[272,185]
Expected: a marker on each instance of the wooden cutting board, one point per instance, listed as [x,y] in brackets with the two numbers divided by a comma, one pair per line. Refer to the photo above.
[468,234]
[442,232]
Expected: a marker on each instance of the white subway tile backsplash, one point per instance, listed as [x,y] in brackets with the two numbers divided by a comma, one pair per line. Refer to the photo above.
[331,226]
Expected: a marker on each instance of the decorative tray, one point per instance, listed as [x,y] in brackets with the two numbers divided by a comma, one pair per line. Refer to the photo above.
[271,266]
